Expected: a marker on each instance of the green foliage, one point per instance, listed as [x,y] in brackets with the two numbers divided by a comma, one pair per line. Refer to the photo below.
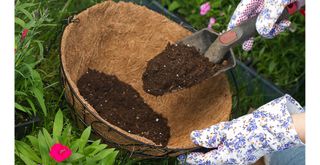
[36,54]
[190,11]
[83,152]
[29,50]
[37,79]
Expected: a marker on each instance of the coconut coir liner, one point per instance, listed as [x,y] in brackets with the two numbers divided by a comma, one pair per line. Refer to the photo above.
[118,103]
[179,66]
[118,39]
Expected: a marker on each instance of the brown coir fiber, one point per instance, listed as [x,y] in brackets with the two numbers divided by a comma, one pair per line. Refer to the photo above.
[118,39]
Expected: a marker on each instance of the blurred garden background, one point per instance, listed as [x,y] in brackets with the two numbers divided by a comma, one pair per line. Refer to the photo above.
[39,94]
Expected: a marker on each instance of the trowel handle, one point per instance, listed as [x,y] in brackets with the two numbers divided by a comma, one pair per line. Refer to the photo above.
[235,36]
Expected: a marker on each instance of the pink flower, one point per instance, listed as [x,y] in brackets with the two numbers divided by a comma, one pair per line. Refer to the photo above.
[204,8]
[212,21]
[59,152]
[24,34]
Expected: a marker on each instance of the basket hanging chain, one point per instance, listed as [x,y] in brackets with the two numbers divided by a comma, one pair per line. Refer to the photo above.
[72,19]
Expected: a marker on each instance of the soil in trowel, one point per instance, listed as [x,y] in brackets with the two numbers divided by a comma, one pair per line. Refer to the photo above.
[121,105]
[178,66]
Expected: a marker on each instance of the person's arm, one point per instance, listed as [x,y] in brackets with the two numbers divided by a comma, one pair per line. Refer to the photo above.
[275,126]
[299,125]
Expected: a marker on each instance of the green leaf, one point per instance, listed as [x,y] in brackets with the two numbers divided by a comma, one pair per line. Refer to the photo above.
[47,137]
[216,25]
[75,157]
[43,149]
[216,4]
[34,141]
[65,7]
[28,14]
[41,50]
[25,5]
[22,75]
[262,51]
[165,2]
[103,154]
[19,93]
[89,150]
[31,24]
[75,145]
[272,66]
[57,125]
[99,148]
[67,163]
[90,161]
[183,11]
[84,138]
[20,22]
[94,148]
[22,108]
[37,81]
[31,105]
[39,96]
[50,25]
[109,160]
[26,160]
[65,134]
[199,1]
[96,143]
[173,6]
[26,150]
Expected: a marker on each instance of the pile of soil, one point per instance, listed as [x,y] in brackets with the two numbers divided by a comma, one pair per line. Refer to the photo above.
[178,66]
[121,105]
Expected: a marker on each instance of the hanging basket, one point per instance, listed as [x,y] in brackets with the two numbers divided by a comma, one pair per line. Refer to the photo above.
[118,39]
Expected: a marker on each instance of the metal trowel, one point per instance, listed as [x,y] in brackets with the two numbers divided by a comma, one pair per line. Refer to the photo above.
[217,47]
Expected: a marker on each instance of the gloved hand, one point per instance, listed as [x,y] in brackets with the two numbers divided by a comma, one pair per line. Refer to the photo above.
[268,12]
[244,140]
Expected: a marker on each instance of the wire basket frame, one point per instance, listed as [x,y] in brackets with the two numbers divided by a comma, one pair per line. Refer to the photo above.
[111,136]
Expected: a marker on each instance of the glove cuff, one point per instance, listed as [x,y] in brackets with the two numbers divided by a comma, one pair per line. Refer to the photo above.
[278,124]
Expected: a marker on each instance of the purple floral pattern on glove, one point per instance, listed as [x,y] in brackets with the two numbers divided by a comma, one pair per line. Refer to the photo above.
[268,12]
[244,140]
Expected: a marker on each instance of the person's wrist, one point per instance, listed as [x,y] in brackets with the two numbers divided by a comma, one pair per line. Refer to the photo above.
[299,125]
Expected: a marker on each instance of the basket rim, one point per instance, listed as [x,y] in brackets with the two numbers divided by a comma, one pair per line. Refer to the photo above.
[96,115]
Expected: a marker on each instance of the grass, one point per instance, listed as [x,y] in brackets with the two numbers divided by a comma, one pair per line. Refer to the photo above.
[38,90]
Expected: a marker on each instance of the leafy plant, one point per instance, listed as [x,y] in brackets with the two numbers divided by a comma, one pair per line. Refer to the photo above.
[38,25]
[29,50]
[189,10]
[83,151]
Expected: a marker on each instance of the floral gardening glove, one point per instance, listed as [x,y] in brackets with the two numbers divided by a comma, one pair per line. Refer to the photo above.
[244,140]
[268,11]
